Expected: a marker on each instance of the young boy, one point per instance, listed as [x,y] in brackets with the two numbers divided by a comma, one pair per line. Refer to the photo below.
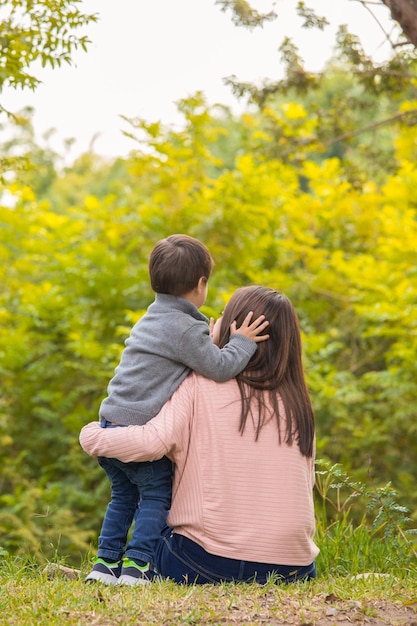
[171,339]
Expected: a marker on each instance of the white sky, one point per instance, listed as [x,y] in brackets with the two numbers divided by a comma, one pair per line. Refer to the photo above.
[147,54]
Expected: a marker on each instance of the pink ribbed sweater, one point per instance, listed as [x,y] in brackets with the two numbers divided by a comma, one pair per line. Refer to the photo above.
[236,497]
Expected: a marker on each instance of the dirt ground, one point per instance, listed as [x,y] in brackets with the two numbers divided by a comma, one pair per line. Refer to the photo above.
[337,613]
[323,610]
[372,613]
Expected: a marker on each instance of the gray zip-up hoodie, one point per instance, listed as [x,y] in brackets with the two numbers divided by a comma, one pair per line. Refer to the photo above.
[171,339]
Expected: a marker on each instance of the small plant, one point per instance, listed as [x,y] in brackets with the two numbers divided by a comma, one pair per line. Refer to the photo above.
[353,518]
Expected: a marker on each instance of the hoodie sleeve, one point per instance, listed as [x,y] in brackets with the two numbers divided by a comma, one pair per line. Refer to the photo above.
[165,434]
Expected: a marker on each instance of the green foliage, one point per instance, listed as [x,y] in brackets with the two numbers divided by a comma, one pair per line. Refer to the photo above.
[351,105]
[38,30]
[243,14]
[311,20]
[22,157]
[360,528]
[33,33]
[73,280]
[334,114]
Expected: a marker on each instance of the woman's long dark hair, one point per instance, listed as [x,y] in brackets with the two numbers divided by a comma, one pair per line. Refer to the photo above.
[276,367]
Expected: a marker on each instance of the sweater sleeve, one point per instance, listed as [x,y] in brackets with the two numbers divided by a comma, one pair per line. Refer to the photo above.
[132,443]
[199,353]
[164,435]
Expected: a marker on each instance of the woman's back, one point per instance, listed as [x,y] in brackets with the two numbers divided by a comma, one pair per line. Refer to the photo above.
[237,497]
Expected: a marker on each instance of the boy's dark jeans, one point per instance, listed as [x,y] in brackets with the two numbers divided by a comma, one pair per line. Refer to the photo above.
[140,492]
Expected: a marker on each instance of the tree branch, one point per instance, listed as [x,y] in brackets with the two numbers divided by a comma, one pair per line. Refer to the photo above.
[364,129]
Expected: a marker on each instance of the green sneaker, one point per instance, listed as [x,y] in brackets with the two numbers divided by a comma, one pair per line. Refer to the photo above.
[133,574]
[105,572]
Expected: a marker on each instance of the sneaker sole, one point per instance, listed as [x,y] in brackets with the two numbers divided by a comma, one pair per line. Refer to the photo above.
[101,577]
[131,581]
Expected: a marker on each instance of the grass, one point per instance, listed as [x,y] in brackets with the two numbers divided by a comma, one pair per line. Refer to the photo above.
[367,574]
[29,597]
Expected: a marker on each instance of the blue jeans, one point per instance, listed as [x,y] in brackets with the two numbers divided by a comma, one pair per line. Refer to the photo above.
[140,493]
[184,561]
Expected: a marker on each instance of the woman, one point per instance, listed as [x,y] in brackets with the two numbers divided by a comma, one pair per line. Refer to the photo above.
[242,504]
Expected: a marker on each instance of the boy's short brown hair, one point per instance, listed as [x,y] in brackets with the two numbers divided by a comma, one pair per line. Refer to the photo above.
[177,263]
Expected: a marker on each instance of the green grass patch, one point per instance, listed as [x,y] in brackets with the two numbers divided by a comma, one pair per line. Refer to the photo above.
[367,573]
[28,597]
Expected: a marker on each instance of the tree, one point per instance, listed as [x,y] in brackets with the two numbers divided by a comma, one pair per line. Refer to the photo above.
[38,30]
[33,31]
[402,11]
[394,78]
[405,13]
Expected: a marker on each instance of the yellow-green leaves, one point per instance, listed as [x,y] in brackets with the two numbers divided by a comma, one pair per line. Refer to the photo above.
[74,279]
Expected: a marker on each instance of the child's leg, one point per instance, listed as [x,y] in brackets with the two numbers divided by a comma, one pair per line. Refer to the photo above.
[155,487]
[120,511]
